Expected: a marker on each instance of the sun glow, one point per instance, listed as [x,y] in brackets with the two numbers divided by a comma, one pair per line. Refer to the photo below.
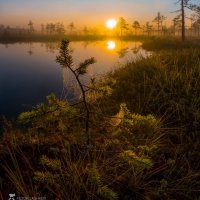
[111,45]
[111,23]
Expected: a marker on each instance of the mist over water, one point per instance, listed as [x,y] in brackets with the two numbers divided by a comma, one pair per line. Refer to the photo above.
[28,71]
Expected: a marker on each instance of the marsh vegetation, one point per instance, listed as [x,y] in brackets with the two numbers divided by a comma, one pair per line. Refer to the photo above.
[144,129]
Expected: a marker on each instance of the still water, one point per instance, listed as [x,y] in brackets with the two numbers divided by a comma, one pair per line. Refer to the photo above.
[28,71]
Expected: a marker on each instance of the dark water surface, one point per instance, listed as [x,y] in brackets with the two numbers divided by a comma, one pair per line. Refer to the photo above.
[28,71]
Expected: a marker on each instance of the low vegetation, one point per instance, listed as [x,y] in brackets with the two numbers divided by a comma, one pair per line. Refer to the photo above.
[169,43]
[47,38]
[144,127]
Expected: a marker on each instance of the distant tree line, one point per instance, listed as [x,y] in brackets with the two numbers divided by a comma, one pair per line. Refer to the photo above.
[157,26]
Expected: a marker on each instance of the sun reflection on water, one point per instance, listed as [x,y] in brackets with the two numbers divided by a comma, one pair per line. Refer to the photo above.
[111,45]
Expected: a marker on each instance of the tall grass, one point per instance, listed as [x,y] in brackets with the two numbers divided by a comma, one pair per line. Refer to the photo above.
[169,43]
[165,84]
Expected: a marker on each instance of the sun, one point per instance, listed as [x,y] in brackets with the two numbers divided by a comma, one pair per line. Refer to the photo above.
[111,23]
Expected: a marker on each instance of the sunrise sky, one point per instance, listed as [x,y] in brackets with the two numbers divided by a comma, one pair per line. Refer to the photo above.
[82,12]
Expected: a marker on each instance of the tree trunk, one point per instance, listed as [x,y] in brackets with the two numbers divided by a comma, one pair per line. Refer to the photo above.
[183,20]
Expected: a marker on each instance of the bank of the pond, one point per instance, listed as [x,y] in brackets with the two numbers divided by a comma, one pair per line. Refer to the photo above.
[170,43]
[6,39]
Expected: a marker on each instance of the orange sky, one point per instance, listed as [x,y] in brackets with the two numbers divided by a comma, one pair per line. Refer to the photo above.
[82,12]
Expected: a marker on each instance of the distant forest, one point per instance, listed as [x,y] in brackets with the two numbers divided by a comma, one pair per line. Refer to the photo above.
[155,26]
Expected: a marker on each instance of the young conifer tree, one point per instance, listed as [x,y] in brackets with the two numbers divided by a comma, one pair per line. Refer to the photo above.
[65,60]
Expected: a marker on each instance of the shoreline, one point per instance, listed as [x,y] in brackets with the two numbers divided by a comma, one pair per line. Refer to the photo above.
[5,39]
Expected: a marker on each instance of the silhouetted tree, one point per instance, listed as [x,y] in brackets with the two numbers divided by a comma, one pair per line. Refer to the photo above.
[47,28]
[184,4]
[7,30]
[196,27]
[1,28]
[159,20]
[31,28]
[197,11]
[176,23]
[59,28]
[148,28]
[71,27]
[196,19]
[123,25]
[136,26]
[52,28]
